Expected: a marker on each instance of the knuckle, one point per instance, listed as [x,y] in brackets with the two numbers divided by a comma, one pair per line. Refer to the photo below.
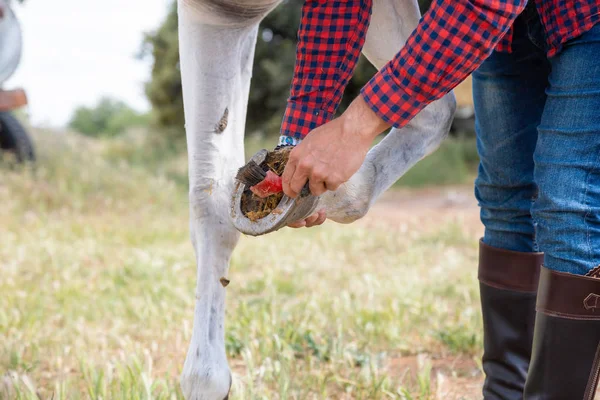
[333,185]
[319,175]
[316,190]
[296,187]
[334,182]
[305,164]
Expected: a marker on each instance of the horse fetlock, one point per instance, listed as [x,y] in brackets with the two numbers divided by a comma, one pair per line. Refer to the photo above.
[349,210]
[353,199]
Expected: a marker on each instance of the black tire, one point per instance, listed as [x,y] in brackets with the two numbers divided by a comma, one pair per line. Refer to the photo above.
[14,138]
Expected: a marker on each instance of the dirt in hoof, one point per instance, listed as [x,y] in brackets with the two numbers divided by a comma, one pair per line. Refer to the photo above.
[254,207]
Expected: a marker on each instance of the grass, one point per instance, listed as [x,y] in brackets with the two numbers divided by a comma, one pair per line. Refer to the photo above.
[97,291]
[455,162]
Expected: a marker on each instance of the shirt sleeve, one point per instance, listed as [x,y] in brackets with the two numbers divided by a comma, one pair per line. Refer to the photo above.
[450,42]
[330,39]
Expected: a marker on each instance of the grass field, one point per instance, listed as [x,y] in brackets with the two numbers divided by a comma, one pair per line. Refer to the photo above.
[97,290]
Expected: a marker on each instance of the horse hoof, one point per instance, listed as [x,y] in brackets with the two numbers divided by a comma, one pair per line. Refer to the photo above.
[287,211]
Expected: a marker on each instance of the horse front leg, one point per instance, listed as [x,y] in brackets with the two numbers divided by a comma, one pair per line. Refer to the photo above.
[392,22]
[216,54]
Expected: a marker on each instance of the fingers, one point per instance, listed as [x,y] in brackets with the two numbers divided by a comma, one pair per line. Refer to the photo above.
[310,221]
[314,220]
[294,177]
[307,163]
[333,185]
[299,178]
[317,188]
[319,218]
[298,224]
[297,172]
[288,173]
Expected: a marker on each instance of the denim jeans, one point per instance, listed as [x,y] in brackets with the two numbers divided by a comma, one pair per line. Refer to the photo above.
[538,137]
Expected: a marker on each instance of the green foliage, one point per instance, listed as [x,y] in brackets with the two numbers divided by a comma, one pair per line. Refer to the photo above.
[424,5]
[274,59]
[459,339]
[108,117]
[272,73]
[454,162]
[164,88]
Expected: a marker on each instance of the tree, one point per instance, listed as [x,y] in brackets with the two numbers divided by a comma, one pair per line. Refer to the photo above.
[108,117]
[164,88]
[272,72]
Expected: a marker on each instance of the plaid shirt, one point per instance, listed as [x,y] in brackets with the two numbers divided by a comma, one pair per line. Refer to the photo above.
[452,39]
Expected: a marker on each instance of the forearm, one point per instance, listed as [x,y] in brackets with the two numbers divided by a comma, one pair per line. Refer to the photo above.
[330,39]
[451,41]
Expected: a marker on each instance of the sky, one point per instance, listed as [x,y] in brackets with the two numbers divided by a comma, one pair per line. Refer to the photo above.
[75,52]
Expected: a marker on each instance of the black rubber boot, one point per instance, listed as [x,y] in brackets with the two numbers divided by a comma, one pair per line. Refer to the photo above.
[508,284]
[566,351]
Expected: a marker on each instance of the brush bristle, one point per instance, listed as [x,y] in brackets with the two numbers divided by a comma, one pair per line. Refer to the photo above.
[251,174]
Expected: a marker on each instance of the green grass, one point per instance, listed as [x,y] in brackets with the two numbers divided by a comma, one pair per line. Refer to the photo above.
[97,290]
[455,162]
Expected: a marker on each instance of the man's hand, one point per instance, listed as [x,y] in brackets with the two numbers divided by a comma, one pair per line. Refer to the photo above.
[332,153]
[314,220]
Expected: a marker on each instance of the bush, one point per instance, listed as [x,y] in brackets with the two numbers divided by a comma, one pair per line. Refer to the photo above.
[455,162]
[107,118]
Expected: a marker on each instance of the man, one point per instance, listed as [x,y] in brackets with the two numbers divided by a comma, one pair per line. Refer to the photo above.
[537,103]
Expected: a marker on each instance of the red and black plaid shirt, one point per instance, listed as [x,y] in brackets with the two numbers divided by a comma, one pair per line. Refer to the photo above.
[452,39]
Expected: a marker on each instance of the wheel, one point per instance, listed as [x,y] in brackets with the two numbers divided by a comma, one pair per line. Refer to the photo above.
[14,138]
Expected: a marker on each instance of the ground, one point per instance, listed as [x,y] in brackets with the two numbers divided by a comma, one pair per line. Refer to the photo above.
[97,290]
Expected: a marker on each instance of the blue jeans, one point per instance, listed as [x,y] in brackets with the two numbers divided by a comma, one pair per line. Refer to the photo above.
[538,137]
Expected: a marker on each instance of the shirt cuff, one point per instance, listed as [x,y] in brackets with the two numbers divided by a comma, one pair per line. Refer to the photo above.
[299,119]
[389,101]
[288,141]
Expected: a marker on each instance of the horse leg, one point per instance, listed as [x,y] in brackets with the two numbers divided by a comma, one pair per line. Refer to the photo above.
[392,22]
[217,39]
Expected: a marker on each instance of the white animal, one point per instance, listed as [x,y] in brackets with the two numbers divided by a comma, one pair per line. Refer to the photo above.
[217,39]
[10,42]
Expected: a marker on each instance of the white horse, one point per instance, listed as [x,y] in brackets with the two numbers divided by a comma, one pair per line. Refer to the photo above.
[217,39]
